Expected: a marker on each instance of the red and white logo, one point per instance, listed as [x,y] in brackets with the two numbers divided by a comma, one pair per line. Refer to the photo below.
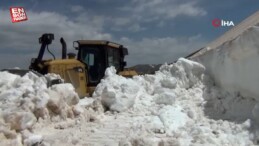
[18,14]
[217,23]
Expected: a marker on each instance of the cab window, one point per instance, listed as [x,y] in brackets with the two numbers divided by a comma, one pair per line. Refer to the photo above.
[89,59]
[114,58]
[93,56]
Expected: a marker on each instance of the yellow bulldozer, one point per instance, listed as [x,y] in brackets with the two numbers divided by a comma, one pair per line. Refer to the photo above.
[86,69]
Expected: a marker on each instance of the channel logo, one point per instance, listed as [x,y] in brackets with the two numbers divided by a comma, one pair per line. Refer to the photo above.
[222,23]
[18,14]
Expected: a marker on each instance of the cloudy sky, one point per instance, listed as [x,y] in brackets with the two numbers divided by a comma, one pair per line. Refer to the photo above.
[155,31]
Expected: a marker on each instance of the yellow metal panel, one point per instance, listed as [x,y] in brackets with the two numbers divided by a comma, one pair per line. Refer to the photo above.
[72,71]
[128,73]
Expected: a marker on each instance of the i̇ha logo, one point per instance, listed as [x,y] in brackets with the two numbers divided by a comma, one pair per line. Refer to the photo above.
[18,14]
[217,23]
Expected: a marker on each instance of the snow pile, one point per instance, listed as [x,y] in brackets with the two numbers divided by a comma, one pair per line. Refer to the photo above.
[178,105]
[117,92]
[173,107]
[234,64]
[24,100]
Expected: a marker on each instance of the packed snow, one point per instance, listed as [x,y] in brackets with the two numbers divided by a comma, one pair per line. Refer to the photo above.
[25,100]
[234,65]
[178,105]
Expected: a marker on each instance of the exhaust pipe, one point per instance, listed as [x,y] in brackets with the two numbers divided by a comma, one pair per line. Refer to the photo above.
[64,48]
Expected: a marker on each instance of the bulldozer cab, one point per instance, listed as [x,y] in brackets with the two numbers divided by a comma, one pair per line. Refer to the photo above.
[97,55]
[87,69]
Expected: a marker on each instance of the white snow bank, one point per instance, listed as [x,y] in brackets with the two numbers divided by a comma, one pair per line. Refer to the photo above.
[178,105]
[117,92]
[234,67]
[25,99]
[178,99]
